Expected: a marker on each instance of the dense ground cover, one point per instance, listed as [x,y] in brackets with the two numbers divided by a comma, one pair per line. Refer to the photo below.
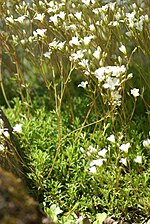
[77,85]
[89,172]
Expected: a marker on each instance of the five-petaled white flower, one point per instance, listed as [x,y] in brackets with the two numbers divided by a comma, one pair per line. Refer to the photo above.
[123,161]
[39,16]
[111,138]
[78,15]
[97,162]
[135,92]
[40,32]
[138,159]
[17,128]
[102,152]
[54,19]
[20,19]
[92,169]
[74,41]
[83,84]
[124,147]
[87,40]
[6,134]
[146,143]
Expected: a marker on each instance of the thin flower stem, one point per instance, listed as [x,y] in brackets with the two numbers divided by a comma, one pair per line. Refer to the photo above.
[134,106]
[70,133]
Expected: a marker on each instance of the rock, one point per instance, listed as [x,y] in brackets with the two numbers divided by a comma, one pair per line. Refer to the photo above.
[16,206]
[109,220]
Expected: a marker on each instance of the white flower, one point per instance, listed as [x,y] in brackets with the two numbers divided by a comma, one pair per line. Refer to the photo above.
[146,18]
[131,16]
[40,32]
[92,27]
[138,159]
[20,19]
[17,128]
[78,15]
[10,19]
[96,10]
[40,16]
[92,169]
[6,134]
[113,23]
[111,138]
[74,41]
[123,161]
[23,41]
[123,49]
[62,15]
[31,38]
[146,143]
[125,147]
[83,84]
[47,54]
[70,27]
[84,63]
[112,5]
[97,162]
[54,43]
[78,55]
[117,70]
[54,19]
[61,45]
[97,53]
[86,2]
[92,149]
[129,33]
[111,83]
[102,152]
[130,76]
[87,40]
[139,25]
[135,92]
[99,73]
[82,149]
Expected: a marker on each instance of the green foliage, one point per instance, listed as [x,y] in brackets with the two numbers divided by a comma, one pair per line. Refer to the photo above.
[60,168]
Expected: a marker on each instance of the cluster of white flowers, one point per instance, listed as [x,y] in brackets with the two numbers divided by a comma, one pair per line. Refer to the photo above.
[67,27]
[124,149]
[98,154]
[134,22]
